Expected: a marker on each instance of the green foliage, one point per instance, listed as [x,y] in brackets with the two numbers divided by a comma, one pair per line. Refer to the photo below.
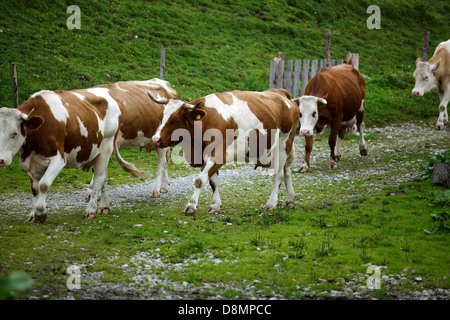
[15,282]
[426,170]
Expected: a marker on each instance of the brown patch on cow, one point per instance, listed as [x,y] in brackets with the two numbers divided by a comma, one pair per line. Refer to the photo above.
[225,97]
[441,108]
[198,183]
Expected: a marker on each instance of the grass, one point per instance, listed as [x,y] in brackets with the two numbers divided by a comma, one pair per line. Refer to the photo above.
[363,212]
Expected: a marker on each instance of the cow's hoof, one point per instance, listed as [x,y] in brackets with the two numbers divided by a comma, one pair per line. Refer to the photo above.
[190,209]
[164,190]
[88,197]
[154,194]
[338,158]
[363,152]
[439,126]
[332,165]
[103,210]
[289,203]
[269,207]
[213,209]
[37,219]
[303,168]
[89,214]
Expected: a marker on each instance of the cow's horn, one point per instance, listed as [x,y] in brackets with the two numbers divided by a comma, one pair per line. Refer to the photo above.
[160,101]
[191,106]
[26,117]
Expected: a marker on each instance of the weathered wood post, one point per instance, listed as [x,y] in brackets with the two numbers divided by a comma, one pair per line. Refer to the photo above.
[276,71]
[162,64]
[14,85]
[353,60]
[426,39]
[327,47]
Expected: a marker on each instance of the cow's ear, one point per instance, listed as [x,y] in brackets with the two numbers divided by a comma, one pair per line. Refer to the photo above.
[418,60]
[33,123]
[434,66]
[196,114]
[325,96]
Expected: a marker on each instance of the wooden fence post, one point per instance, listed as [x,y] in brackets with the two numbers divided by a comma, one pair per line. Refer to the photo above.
[162,64]
[288,76]
[276,71]
[353,60]
[14,85]
[327,47]
[297,73]
[426,39]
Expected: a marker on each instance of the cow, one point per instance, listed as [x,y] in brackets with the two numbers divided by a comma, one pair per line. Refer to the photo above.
[233,126]
[434,74]
[81,129]
[334,97]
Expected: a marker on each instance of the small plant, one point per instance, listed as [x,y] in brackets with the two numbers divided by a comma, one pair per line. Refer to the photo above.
[426,170]
[16,281]
[325,250]
[441,223]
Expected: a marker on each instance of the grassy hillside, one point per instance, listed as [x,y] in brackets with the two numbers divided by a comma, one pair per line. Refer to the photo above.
[217,45]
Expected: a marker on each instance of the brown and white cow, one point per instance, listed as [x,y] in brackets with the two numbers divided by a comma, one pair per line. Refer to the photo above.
[233,126]
[435,74]
[81,129]
[334,97]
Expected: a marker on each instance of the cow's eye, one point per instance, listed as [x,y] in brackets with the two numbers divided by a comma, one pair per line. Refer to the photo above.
[426,78]
[13,135]
[300,115]
[314,114]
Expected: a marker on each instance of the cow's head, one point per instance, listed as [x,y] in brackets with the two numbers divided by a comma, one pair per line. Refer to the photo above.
[178,114]
[425,79]
[309,113]
[14,126]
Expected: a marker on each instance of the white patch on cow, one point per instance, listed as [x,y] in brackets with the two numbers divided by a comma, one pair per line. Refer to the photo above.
[239,111]
[361,109]
[55,103]
[79,96]
[71,158]
[169,109]
[111,121]
[83,129]
[121,89]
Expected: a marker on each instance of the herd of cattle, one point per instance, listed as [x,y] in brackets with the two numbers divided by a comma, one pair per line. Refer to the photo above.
[82,128]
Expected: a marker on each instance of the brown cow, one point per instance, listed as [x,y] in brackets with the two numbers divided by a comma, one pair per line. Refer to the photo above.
[334,97]
[81,129]
[233,126]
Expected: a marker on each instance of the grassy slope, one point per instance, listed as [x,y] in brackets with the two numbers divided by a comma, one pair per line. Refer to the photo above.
[217,46]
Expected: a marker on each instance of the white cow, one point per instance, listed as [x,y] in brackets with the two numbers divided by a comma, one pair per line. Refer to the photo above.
[435,74]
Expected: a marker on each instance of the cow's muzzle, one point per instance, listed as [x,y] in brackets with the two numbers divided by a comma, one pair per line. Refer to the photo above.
[305,133]
[415,93]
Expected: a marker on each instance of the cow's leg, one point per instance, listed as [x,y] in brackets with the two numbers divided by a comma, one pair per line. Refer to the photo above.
[332,143]
[340,138]
[443,115]
[160,184]
[360,125]
[308,148]
[214,183]
[165,180]
[99,184]
[279,175]
[290,193]
[207,172]
[41,186]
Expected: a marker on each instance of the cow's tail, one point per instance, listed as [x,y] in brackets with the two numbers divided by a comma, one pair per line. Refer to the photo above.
[129,167]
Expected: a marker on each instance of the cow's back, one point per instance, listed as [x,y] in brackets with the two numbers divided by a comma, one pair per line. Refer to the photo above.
[140,116]
[344,85]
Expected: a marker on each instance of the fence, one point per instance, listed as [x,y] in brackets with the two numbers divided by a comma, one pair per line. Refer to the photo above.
[298,73]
